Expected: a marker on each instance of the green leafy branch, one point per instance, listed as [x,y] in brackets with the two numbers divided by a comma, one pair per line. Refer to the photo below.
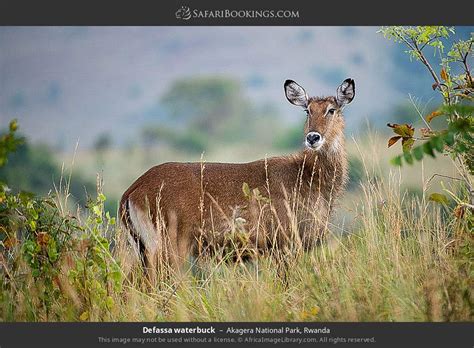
[457,138]
[9,142]
[36,235]
[456,86]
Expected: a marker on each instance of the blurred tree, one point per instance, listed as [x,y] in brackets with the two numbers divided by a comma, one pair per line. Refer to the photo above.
[102,143]
[205,110]
[290,138]
[149,137]
[187,140]
[205,103]
[9,142]
[33,169]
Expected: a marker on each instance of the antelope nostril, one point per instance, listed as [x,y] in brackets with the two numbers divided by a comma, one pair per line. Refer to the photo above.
[313,137]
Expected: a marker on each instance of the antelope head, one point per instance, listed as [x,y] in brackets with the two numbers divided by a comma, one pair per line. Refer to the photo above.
[324,127]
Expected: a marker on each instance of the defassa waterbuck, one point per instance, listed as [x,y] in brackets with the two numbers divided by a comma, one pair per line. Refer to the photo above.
[176,210]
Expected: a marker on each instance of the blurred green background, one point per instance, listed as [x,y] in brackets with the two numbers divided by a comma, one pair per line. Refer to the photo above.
[117,100]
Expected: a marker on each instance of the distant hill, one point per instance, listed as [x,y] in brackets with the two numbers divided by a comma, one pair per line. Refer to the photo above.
[66,84]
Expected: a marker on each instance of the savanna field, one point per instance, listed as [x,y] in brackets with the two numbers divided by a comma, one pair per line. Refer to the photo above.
[399,246]
[390,254]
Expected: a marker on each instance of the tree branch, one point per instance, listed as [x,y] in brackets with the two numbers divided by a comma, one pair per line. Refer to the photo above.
[414,47]
[428,65]
[464,62]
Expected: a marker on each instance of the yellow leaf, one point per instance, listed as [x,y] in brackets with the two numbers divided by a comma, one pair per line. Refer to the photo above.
[109,302]
[404,130]
[459,211]
[84,316]
[439,198]
[434,114]
[315,311]
[246,189]
[13,125]
[393,140]
[444,75]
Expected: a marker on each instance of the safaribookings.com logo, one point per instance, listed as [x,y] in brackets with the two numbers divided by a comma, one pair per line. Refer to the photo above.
[186,13]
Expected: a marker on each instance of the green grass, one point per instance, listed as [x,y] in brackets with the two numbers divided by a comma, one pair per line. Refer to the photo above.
[389,256]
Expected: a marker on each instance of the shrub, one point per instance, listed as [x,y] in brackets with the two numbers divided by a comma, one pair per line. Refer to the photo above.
[51,262]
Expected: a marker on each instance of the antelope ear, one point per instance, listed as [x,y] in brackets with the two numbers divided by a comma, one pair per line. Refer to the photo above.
[345,92]
[296,94]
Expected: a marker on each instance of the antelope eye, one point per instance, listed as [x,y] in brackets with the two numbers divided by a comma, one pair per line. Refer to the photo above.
[331,111]
[307,112]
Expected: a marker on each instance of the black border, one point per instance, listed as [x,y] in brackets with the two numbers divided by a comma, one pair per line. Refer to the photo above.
[396,335]
[162,12]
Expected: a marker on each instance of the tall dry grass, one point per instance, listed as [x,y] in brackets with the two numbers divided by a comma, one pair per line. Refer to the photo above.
[400,258]
[398,264]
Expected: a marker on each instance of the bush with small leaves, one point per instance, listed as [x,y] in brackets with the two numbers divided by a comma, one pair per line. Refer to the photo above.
[52,259]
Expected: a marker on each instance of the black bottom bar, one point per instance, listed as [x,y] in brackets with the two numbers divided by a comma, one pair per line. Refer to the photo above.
[214,334]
